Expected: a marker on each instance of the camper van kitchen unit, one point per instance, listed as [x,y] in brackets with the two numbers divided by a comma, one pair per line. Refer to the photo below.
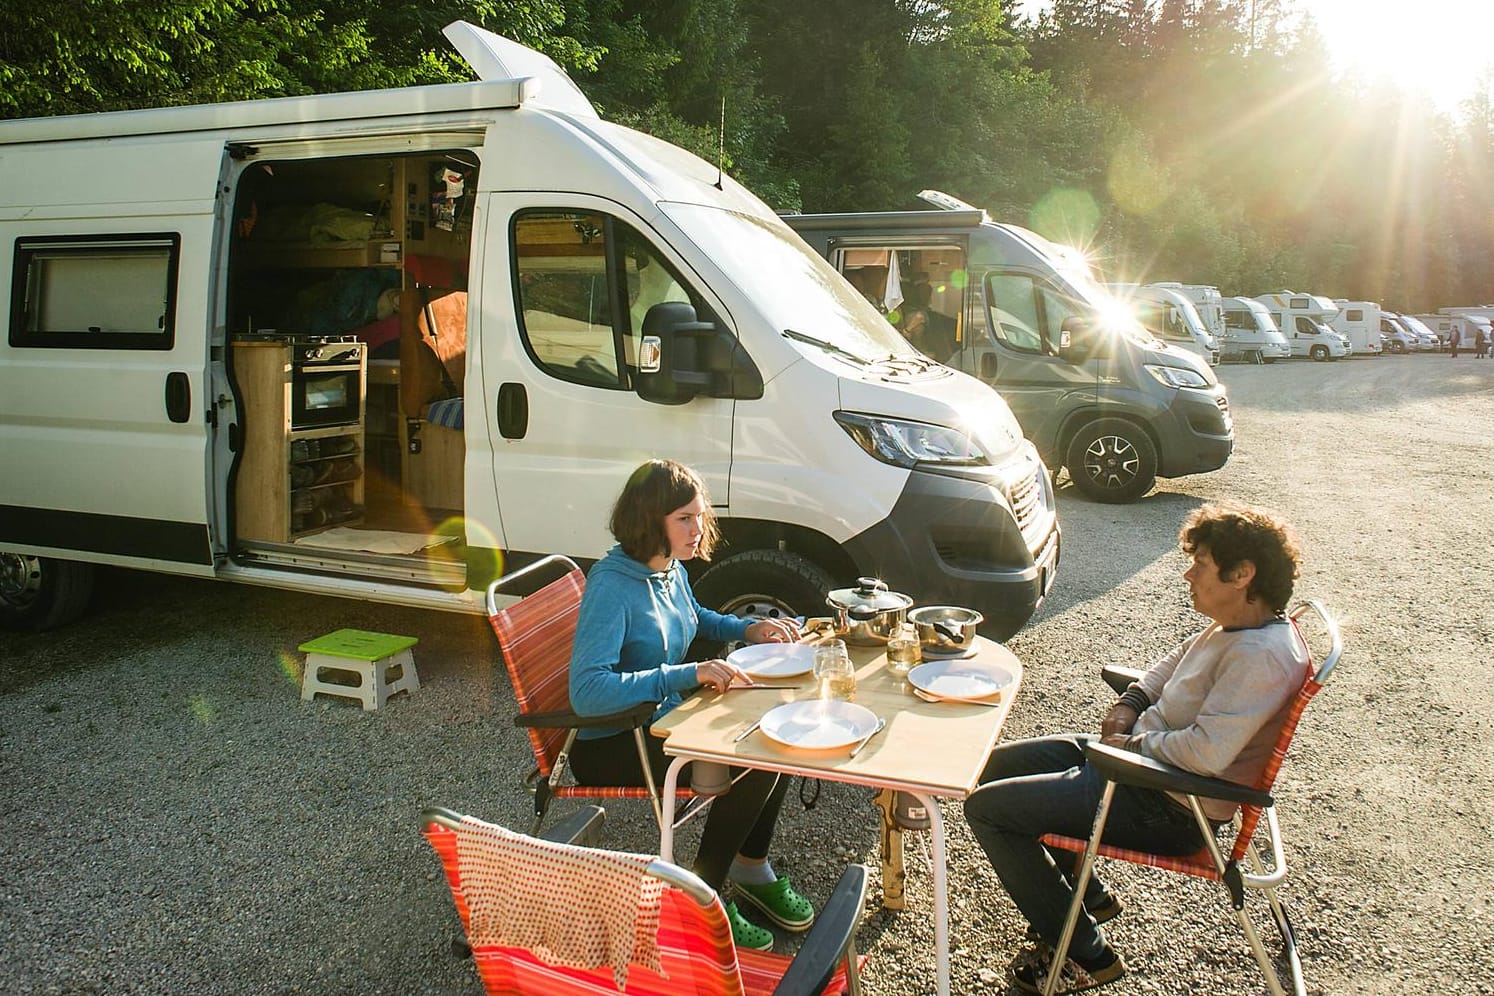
[243,338]
[1094,390]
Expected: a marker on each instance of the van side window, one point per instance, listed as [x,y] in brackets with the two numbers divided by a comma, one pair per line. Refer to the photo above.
[585,282]
[1012,300]
[1356,315]
[1238,320]
[1305,326]
[95,292]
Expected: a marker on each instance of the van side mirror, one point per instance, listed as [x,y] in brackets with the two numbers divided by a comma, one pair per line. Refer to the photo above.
[1079,340]
[681,357]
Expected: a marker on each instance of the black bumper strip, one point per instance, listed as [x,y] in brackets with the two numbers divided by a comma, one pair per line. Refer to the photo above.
[116,535]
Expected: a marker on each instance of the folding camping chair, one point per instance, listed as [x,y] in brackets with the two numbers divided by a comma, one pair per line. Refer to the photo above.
[1268,866]
[535,635]
[692,939]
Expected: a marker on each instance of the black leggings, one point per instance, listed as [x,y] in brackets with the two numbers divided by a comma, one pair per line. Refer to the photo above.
[740,822]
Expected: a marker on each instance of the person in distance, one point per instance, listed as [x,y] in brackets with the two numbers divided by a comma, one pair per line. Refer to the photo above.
[638,616]
[1214,705]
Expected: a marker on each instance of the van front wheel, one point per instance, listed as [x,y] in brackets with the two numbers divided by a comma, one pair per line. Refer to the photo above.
[1113,461]
[764,584]
[1319,353]
[39,593]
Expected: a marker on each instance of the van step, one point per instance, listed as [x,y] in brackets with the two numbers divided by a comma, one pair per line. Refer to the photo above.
[420,569]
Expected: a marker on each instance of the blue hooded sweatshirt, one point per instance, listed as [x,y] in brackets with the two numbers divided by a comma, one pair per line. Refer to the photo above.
[634,628]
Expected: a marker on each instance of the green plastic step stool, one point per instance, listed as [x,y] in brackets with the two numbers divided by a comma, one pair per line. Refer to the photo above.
[370,656]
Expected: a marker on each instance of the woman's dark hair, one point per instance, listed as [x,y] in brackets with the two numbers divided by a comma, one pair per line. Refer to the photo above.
[654,490]
[1236,533]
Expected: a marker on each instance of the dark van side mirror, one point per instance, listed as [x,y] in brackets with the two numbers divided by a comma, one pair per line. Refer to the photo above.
[680,357]
[1080,340]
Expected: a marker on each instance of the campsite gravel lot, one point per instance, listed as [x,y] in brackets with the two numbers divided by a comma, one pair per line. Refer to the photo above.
[176,820]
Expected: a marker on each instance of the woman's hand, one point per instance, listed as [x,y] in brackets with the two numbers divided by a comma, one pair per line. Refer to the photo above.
[1118,721]
[718,674]
[780,630]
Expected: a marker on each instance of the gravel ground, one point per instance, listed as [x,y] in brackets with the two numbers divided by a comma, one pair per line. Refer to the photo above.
[177,821]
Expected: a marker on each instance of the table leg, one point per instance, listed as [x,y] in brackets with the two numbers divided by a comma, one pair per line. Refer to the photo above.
[893,874]
[666,828]
[941,896]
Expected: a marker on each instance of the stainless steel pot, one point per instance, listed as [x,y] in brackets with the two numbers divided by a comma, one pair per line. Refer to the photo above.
[945,629]
[868,614]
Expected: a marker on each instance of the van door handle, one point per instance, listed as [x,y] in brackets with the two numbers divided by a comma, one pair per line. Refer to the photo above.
[513,411]
[178,396]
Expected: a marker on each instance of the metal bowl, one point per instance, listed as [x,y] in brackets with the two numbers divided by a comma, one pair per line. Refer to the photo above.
[945,629]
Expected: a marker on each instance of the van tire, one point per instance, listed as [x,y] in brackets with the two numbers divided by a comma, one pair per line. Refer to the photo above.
[764,584]
[39,593]
[1112,460]
[1319,353]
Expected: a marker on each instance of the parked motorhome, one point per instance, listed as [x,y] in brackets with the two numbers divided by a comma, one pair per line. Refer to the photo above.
[1250,329]
[1170,316]
[1397,337]
[1440,326]
[242,338]
[1300,318]
[1358,322]
[1096,392]
[1206,298]
[1426,339]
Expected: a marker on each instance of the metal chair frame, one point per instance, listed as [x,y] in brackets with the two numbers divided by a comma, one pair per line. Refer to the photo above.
[1268,865]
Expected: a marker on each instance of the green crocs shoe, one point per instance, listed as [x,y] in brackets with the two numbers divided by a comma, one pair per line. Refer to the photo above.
[745,934]
[778,901]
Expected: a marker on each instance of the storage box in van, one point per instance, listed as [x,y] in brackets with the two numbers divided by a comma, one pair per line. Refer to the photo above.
[1094,390]
[389,345]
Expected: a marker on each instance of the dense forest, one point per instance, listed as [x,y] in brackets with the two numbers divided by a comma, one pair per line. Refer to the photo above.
[1194,140]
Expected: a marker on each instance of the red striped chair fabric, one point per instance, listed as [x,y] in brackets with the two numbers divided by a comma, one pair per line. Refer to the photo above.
[694,941]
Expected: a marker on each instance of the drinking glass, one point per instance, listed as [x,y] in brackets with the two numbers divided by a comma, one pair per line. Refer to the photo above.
[834,671]
[904,650]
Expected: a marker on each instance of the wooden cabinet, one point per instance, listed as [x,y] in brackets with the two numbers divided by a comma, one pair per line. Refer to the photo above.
[291,482]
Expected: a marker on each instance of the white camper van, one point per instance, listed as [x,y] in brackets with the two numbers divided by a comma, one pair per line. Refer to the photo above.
[1358,322]
[1426,339]
[1206,298]
[1300,318]
[242,339]
[1439,325]
[1397,336]
[1250,329]
[1171,316]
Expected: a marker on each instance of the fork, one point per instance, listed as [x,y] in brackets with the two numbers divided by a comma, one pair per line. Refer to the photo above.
[936,698]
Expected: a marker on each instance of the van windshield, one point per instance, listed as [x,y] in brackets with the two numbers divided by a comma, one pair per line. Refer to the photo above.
[794,286]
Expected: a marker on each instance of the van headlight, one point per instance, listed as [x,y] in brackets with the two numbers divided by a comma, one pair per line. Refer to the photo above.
[1175,376]
[904,444]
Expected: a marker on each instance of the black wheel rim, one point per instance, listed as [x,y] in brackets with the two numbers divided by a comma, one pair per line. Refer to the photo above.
[1111,462]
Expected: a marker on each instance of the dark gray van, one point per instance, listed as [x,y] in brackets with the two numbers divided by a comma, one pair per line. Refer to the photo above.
[1092,389]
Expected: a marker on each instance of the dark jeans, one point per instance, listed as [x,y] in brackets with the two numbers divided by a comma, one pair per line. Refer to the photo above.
[1038,786]
[740,822]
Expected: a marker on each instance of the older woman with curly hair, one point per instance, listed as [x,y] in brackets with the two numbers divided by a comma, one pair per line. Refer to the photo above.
[1214,705]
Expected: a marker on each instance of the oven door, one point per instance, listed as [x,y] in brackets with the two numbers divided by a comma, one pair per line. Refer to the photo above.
[328,395]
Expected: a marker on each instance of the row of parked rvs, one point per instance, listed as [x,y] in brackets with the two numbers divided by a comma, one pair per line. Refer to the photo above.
[1285,324]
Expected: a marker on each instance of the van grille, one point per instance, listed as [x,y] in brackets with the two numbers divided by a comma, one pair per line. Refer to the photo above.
[1026,497]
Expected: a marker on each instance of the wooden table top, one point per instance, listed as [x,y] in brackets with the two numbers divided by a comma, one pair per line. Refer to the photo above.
[938,748]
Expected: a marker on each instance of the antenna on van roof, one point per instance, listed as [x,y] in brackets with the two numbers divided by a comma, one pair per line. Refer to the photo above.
[721,145]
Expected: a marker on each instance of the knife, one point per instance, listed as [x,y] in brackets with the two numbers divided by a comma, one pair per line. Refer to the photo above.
[746,733]
[881,723]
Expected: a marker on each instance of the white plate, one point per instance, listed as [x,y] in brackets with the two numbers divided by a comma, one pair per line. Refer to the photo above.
[774,660]
[961,679]
[818,724]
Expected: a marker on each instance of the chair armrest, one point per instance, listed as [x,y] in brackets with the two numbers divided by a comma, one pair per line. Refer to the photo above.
[833,930]
[564,719]
[1130,768]
[583,827]
[1119,677]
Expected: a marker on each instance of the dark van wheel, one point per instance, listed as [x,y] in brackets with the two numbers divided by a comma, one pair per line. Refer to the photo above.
[1113,461]
[39,593]
[764,584]
[1319,353]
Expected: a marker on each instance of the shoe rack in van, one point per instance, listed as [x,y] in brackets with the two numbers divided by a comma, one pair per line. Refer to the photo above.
[347,312]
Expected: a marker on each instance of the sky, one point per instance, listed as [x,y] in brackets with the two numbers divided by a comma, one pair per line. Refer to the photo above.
[1441,48]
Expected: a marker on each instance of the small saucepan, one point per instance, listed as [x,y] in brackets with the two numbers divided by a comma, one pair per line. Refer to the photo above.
[945,630]
[868,614]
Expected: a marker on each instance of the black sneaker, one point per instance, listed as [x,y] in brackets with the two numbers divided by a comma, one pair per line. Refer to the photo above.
[1108,908]
[1031,976]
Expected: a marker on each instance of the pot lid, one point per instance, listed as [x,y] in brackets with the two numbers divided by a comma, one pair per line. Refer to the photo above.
[869,593]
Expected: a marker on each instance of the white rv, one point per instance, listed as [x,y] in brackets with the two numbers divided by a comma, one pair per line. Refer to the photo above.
[1250,329]
[1439,325]
[1300,318]
[242,339]
[1358,322]
[1426,339]
[1208,301]
[1397,336]
[1171,316]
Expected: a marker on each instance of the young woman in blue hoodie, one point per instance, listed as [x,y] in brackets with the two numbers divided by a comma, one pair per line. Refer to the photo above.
[638,618]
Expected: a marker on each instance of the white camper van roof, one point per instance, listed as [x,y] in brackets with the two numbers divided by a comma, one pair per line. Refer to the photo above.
[511,76]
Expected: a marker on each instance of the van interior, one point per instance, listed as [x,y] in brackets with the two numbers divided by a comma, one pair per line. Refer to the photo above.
[347,320]
[920,290]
